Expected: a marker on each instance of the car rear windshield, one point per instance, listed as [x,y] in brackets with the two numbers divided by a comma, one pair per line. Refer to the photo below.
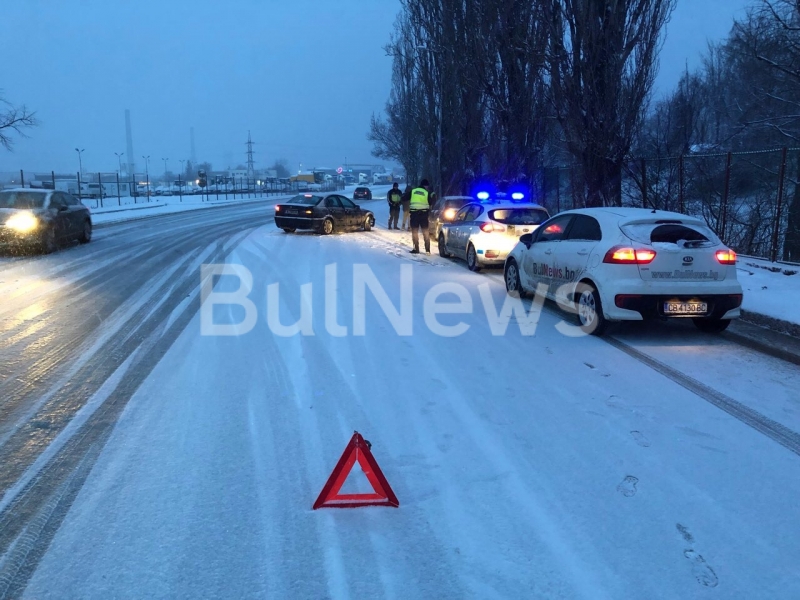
[682,234]
[307,199]
[362,189]
[21,200]
[519,216]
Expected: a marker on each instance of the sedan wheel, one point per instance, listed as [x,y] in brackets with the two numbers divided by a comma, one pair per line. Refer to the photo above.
[369,222]
[49,241]
[443,247]
[86,236]
[590,312]
[513,284]
[327,226]
[472,259]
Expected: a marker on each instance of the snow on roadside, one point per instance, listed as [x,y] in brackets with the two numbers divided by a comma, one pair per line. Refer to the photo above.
[770,289]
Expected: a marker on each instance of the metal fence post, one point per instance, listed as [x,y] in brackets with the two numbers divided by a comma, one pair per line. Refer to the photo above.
[22,178]
[134,189]
[53,178]
[180,188]
[79,185]
[776,229]
[680,184]
[119,193]
[100,190]
[724,216]
[644,183]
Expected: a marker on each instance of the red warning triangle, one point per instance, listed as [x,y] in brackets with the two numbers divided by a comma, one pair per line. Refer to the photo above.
[357,450]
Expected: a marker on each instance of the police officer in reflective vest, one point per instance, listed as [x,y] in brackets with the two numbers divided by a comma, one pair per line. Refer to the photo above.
[420,209]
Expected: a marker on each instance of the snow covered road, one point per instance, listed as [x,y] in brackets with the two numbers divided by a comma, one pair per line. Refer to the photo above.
[141,458]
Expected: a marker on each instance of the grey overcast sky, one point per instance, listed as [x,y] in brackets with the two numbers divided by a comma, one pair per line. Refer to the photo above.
[304,76]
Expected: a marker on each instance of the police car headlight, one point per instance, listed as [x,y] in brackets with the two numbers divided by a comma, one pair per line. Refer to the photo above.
[449,213]
[23,222]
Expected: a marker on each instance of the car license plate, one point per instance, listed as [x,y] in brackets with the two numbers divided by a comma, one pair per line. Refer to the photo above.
[685,308]
[292,211]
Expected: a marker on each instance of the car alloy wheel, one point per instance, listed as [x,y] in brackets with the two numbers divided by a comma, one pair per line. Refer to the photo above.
[369,222]
[590,311]
[513,284]
[327,226]
[472,259]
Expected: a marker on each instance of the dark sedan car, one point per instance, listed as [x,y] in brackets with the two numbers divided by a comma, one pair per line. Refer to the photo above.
[42,219]
[362,193]
[324,213]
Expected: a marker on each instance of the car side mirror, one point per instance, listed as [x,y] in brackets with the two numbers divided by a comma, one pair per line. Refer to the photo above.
[527,239]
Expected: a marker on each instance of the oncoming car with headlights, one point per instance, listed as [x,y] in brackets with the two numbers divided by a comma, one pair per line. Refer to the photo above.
[42,219]
[324,213]
[628,264]
[483,233]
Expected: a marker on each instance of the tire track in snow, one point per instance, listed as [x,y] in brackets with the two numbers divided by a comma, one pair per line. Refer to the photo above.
[31,520]
[761,423]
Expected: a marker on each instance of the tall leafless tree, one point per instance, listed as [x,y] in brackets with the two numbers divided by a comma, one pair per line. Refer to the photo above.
[603,61]
[14,119]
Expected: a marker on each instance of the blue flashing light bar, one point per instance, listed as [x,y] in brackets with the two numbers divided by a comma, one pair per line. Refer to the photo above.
[483,195]
[517,195]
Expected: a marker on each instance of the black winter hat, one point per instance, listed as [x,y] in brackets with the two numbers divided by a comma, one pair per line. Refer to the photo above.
[424,183]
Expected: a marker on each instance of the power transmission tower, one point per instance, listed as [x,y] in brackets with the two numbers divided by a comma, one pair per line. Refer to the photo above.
[251,163]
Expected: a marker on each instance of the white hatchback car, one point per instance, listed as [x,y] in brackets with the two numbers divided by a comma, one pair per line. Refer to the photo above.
[483,233]
[618,264]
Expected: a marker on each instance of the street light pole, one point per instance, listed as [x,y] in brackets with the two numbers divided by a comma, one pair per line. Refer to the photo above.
[147,174]
[119,160]
[165,170]
[80,162]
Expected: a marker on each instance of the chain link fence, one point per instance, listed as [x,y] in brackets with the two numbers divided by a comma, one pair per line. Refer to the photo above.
[102,190]
[750,199]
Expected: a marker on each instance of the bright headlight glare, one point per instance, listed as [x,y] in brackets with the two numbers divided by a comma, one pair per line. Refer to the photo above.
[449,213]
[22,222]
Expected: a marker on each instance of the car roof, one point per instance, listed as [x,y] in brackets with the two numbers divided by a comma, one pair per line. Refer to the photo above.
[625,214]
[29,190]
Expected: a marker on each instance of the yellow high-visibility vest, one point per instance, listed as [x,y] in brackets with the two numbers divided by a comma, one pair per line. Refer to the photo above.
[419,199]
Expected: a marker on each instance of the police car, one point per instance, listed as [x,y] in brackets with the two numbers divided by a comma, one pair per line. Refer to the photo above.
[485,231]
[618,264]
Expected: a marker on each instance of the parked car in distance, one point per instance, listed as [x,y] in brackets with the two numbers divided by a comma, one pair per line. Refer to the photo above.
[362,193]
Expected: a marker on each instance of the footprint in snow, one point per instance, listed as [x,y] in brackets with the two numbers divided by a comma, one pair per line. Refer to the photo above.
[701,570]
[685,533]
[640,439]
[628,486]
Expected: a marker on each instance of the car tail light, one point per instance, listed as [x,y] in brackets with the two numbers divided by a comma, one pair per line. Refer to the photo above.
[489,227]
[277,208]
[491,254]
[623,255]
[726,257]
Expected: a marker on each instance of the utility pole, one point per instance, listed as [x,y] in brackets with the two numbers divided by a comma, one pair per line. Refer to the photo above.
[251,164]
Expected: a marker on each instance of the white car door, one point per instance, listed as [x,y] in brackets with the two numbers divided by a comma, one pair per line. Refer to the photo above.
[574,250]
[540,261]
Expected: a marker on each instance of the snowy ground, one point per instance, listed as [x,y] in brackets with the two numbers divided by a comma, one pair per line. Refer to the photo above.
[526,467]
[770,289]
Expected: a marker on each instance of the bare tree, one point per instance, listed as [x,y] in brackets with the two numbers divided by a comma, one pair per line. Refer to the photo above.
[14,119]
[602,66]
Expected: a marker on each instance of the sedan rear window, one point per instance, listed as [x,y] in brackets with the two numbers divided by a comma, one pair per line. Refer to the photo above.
[671,233]
[307,199]
[519,216]
[25,200]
